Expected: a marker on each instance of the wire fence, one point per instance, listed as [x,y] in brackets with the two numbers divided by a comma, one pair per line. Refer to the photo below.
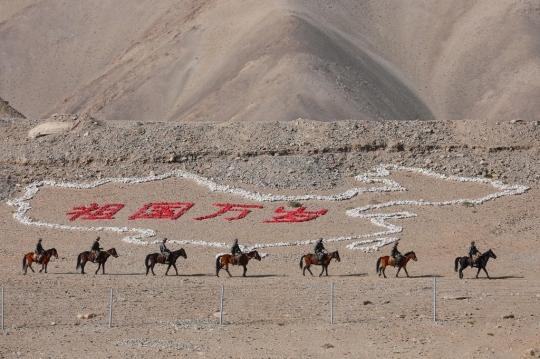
[238,304]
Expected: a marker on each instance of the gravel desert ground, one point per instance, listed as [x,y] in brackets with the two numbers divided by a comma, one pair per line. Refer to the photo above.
[274,312]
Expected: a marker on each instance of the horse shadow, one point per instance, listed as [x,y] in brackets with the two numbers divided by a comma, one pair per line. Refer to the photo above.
[504,277]
[352,275]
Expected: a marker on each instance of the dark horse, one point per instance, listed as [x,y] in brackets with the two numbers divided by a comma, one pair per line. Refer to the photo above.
[30,257]
[89,257]
[480,263]
[154,258]
[385,261]
[223,261]
[310,259]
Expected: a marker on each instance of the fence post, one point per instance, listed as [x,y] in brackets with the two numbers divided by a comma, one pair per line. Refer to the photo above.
[110,309]
[2,308]
[332,303]
[221,306]
[434,299]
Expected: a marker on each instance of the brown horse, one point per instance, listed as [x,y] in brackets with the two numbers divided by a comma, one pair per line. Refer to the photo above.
[385,261]
[312,259]
[89,257]
[154,258]
[223,261]
[30,257]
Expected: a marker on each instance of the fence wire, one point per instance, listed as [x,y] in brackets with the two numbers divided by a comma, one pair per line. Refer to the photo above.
[195,304]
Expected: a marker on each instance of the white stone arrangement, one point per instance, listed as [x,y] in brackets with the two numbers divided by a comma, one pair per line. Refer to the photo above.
[371,242]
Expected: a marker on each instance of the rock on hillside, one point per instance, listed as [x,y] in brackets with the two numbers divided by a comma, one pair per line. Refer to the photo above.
[6,111]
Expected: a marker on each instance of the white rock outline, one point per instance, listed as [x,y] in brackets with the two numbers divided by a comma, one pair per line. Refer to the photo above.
[369,177]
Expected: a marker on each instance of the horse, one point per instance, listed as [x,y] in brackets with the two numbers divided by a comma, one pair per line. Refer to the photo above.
[88,256]
[29,258]
[223,261]
[385,261]
[154,258]
[310,259]
[480,263]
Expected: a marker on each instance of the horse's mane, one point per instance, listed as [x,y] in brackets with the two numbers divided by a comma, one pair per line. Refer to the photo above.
[486,253]
[409,252]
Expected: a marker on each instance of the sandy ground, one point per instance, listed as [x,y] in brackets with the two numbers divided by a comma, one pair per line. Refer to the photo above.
[275,312]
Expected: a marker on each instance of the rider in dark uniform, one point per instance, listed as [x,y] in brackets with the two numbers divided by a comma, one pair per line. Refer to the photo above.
[236,251]
[319,249]
[96,249]
[396,254]
[163,249]
[39,251]
[473,251]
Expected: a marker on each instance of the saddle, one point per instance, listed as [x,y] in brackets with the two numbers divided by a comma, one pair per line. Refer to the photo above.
[163,258]
[236,258]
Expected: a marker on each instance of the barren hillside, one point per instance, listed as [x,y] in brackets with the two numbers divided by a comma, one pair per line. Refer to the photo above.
[273,60]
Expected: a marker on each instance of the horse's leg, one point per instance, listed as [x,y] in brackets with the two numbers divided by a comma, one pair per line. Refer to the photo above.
[167,271]
[308,267]
[405,269]
[227,269]
[399,268]
[245,270]
[99,266]
[322,271]
[30,266]
[484,268]
[83,263]
[103,267]
[383,270]
[174,265]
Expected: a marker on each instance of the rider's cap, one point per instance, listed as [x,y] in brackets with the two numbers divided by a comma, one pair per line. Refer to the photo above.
[236,239]
[164,239]
[320,240]
[97,238]
[39,239]
[472,242]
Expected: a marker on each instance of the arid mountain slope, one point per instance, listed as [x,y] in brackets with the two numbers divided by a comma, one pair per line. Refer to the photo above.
[274,60]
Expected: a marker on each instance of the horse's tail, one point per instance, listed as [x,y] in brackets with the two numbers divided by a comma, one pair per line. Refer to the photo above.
[147,260]
[79,261]
[301,261]
[456,264]
[378,265]
[24,262]
[218,264]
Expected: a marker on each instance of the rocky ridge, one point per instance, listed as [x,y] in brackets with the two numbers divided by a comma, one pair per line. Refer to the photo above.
[300,154]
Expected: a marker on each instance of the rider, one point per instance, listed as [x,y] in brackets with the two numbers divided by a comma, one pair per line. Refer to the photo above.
[163,249]
[39,251]
[96,249]
[395,253]
[473,252]
[235,250]
[319,249]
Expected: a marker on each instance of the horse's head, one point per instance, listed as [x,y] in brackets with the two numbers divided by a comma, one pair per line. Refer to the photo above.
[335,255]
[412,256]
[254,254]
[53,252]
[112,252]
[183,253]
[491,254]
